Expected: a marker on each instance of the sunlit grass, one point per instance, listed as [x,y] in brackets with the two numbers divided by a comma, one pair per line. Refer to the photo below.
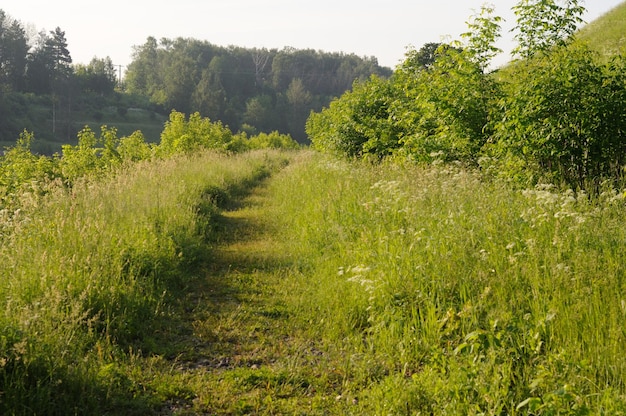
[88,272]
[453,294]
[334,288]
[606,34]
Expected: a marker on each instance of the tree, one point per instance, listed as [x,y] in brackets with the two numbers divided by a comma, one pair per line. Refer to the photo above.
[179,81]
[142,76]
[444,109]
[564,119]
[98,76]
[38,75]
[426,56]
[209,97]
[542,24]
[359,123]
[260,58]
[298,99]
[60,58]
[260,112]
[484,31]
[50,63]
[13,53]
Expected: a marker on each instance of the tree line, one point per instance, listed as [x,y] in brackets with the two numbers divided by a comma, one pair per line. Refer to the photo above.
[249,89]
[556,113]
[41,66]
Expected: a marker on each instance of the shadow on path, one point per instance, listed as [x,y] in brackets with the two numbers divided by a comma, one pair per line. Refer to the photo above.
[228,318]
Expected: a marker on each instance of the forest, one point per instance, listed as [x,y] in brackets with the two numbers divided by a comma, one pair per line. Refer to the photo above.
[250,90]
[246,89]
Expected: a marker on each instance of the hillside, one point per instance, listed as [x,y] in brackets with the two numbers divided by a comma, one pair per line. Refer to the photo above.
[607,34]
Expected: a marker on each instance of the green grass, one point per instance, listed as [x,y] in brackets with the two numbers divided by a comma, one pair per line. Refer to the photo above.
[89,272]
[324,287]
[607,34]
[455,295]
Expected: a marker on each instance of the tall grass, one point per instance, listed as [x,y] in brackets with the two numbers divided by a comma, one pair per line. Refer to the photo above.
[449,294]
[86,271]
[606,33]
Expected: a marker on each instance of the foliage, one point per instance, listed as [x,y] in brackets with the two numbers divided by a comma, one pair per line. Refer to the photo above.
[543,24]
[273,140]
[99,76]
[185,136]
[563,117]
[359,124]
[445,109]
[96,156]
[21,169]
[14,47]
[268,89]
[436,106]
[92,155]
[484,31]
[556,115]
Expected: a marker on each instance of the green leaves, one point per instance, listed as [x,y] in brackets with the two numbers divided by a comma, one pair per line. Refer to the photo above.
[484,31]
[560,118]
[554,116]
[435,106]
[360,123]
[184,136]
[542,24]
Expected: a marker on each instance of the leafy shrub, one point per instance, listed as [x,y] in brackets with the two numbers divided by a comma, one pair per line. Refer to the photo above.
[91,154]
[562,118]
[20,167]
[359,123]
[134,147]
[184,136]
[273,140]
[427,111]
[446,107]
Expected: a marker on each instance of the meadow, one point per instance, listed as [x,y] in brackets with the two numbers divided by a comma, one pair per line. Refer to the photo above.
[449,293]
[88,272]
[453,245]
[277,282]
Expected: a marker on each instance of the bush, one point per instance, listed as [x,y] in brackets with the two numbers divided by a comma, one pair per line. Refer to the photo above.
[562,118]
[359,123]
[185,136]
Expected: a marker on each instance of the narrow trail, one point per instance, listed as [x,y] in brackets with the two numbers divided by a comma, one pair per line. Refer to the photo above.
[233,345]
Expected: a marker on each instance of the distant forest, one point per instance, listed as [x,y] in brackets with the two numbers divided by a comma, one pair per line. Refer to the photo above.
[251,90]
[264,89]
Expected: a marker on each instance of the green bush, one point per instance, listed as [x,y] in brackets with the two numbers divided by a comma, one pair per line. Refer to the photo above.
[182,135]
[562,118]
[359,124]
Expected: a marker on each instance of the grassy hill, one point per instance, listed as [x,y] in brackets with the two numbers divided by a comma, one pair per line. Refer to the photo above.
[607,34]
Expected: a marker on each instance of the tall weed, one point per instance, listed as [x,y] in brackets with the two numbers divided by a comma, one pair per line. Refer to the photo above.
[88,270]
[455,295]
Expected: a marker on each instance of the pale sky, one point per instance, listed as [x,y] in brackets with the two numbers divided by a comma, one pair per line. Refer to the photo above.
[383,29]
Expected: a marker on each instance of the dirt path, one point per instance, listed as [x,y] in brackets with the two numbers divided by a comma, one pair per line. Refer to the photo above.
[234,349]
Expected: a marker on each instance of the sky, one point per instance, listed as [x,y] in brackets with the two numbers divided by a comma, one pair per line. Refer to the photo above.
[364,27]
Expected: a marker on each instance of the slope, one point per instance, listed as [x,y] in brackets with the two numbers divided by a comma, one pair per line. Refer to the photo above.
[607,34]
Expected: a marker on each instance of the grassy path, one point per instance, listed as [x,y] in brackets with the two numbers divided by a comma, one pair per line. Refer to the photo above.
[232,346]
[338,288]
